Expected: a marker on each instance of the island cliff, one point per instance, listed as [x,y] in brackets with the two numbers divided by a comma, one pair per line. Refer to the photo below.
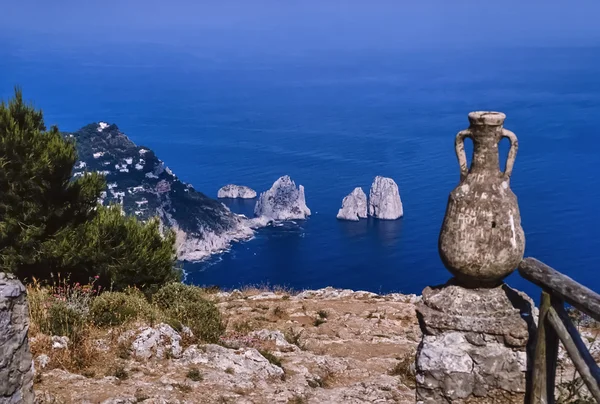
[384,199]
[354,206]
[236,191]
[283,201]
[145,187]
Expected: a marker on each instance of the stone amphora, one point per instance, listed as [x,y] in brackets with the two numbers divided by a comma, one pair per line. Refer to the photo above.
[481,240]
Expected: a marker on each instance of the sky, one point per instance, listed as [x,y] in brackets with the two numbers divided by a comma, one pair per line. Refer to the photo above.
[287,25]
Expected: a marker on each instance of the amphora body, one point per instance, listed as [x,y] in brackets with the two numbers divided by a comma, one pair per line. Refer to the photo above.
[481,240]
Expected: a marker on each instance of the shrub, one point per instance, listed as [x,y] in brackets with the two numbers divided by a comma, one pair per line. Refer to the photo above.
[116,308]
[194,375]
[123,251]
[185,305]
[66,320]
[318,321]
[175,293]
[274,360]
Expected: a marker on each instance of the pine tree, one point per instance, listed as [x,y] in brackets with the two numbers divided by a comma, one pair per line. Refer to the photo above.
[52,223]
[38,198]
[121,250]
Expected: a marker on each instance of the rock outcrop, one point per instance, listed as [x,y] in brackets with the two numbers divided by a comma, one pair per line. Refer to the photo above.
[384,199]
[236,191]
[16,364]
[354,206]
[273,351]
[283,201]
[145,187]
[474,346]
[157,342]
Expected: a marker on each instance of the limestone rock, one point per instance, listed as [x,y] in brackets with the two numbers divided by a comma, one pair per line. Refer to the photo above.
[283,201]
[157,342]
[275,337]
[16,364]
[42,361]
[60,342]
[384,199]
[246,361]
[474,347]
[236,191]
[354,206]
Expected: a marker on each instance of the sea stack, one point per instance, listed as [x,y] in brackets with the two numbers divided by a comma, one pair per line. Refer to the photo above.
[283,201]
[236,191]
[384,199]
[354,206]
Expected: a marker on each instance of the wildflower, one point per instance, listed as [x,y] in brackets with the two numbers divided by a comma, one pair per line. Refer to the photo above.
[97,276]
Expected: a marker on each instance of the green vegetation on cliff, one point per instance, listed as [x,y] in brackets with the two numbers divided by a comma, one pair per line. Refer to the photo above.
[51,222]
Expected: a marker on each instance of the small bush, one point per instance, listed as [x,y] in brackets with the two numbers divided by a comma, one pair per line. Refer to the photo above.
[294,337]
[184,388]
[318,321]
[322,314]
[297,399]
[194,375]
[177,293]
[116,308]
[65,320]
[274,360]
[120,373]
[229,371]
[404,368]
[186,305]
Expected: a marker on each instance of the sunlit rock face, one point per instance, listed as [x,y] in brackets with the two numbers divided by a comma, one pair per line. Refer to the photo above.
[284,201]
[384,199]
[236,191]
[354,206]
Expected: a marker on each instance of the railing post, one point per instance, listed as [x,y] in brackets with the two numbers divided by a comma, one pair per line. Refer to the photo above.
[546,353]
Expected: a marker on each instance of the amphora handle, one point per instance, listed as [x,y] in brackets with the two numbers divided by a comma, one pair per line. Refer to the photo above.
[512,153]
[459,146]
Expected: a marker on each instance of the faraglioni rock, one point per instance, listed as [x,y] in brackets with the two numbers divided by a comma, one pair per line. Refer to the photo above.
[236,191]
[384,199]
[283,201]
[145,187]
[354,206]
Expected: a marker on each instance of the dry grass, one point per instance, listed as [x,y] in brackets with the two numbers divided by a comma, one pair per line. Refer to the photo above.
[405,369]
[85,316]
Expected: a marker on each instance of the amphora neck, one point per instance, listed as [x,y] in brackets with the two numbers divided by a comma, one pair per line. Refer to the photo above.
[486,132]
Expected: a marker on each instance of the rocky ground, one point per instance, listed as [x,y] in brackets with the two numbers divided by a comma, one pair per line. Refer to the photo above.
[324,346]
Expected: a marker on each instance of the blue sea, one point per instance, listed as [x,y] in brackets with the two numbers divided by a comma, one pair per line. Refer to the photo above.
[333,121]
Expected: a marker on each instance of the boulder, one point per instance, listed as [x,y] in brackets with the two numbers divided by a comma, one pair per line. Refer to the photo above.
[16,363]
[384,199]
[157,342]
[354,206]
[236,191]
[243,361]
[283,201]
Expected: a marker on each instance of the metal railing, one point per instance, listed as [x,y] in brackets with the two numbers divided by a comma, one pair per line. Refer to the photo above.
[554,325]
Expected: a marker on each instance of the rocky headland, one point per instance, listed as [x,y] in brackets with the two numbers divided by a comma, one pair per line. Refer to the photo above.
[236,191]
[354,206]
[145,187]
[384,199]
[283,201]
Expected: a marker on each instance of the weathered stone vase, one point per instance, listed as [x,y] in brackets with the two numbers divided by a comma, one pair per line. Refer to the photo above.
[481,240]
